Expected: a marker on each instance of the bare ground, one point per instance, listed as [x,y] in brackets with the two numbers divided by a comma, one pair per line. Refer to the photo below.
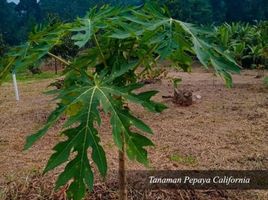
[225,129]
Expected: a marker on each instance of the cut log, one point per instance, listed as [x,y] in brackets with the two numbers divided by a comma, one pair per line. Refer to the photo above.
[183,97]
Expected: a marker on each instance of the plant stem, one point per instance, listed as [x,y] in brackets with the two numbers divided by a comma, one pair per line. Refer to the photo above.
[122,172]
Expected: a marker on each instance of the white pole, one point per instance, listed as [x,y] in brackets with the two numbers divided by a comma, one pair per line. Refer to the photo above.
[15,86]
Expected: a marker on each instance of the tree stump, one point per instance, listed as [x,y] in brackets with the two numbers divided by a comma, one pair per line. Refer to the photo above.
[59,83]
[183,97]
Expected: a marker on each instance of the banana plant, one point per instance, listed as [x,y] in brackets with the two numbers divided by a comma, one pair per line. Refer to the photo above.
[113,43]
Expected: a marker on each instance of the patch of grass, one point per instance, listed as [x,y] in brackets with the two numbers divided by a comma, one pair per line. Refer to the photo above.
[187,160]
[29,186]
[110,145]
[2,193]
[27,76]
[266,81]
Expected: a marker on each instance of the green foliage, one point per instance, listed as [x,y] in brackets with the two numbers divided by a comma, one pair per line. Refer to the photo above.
[67,11]
[194,11]
[114,43]
[38,46]
[266,81]
[187,160]
[217,11]
[16,21]
[247,11]
[247,43]
[3,46]
[77,8]
[176,82]
[29,77]
[9,23]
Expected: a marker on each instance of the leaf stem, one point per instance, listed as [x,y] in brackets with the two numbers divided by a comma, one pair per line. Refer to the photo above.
[98,45]
[9,64]
[66,63]
[59,58]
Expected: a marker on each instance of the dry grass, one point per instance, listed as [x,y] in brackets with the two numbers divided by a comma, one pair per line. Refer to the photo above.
[225,129]
[38,187]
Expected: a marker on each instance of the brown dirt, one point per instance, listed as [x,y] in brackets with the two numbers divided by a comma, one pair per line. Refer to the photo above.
[225,129]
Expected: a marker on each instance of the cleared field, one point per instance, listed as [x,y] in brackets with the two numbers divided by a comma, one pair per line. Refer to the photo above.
[225,129]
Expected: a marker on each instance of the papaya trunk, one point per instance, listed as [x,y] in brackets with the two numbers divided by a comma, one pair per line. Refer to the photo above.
[122,174]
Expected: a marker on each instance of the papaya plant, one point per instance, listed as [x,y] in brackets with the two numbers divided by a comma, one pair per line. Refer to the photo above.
[113,43]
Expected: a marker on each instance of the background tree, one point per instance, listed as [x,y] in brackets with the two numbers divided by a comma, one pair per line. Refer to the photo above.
[66,11]
[9,23]
[29,14]
[78,8]
[218,11]
[195,11]
[3,46]
[17,20]
[248,11]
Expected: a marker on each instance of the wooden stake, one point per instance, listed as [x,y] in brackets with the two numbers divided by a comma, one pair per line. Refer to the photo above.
[15,86]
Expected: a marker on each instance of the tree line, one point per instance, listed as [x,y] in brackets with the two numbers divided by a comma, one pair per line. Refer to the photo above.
[17,20]
[217,11]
